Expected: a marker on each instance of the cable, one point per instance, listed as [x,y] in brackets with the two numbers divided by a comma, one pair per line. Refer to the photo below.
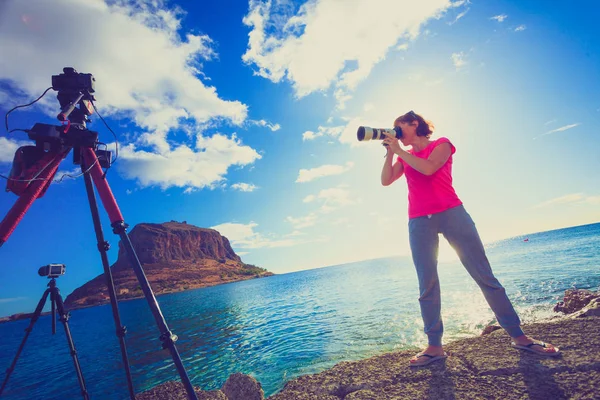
[21,106]
[59,180]
[111,131]
[32,179]
[19,129]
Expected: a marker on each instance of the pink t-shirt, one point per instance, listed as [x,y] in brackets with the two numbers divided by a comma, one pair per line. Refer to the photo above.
[434,193]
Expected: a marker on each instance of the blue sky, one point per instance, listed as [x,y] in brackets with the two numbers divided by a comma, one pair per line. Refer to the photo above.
[241,116]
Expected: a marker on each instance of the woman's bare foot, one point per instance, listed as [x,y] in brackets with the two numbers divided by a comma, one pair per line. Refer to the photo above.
[537,347]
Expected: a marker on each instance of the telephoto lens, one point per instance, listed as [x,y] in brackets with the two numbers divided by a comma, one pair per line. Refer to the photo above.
[365,133]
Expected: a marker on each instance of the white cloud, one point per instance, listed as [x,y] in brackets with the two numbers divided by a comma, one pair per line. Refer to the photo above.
[458,59]
[500,18]
[307,175]
[144,69]
[244,187]
[329,42]
[459,16]
[333,198]
[302,222]
[520,28]
[333,131]
[11,299]
[8,147]
[4,97]
[570,199]
[594,200]
[243,236]
[263,123]
[182,166]
[561,129]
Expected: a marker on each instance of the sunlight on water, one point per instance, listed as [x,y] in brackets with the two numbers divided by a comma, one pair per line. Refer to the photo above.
[280,327]
[446,252]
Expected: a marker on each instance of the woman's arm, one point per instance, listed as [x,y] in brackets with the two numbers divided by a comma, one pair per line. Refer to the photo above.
[429,166]
[390,173]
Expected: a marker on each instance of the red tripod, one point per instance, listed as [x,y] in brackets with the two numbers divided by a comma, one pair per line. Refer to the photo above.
[53,143]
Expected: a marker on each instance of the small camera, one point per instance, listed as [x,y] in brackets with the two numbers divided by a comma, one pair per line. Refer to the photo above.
[52,270]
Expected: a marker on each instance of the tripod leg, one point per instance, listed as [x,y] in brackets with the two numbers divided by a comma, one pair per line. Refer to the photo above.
[34,318]
[103,248]
[53,311]
[119,227]
[64,318]
[18,210]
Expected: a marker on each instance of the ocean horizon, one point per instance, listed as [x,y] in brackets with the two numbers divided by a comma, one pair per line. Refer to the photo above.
[287,325]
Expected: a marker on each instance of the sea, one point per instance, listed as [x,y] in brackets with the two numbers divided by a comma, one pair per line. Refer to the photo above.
[280,327]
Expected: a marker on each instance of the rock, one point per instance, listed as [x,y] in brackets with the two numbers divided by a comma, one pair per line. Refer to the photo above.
[237,387]
[20,316]
[489,329]
[574,300]
[175,257]
[174,241]
[242,387]
[591,310]
[174,390]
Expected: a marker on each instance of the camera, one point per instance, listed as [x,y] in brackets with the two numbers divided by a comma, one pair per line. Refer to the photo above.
[73,81]
[366,133]
[52,270]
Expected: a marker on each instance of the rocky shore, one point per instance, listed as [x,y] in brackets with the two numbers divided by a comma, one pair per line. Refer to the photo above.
[481,367]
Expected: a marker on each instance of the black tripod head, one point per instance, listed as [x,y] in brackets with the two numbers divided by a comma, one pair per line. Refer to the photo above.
[75,95]
[74,89]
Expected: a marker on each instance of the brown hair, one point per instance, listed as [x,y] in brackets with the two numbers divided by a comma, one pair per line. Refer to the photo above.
[425,128]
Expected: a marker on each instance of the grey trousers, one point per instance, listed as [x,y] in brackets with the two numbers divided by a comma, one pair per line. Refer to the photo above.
[459,229]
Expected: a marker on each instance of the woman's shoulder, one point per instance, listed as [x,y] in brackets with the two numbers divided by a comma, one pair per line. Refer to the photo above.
[442,140]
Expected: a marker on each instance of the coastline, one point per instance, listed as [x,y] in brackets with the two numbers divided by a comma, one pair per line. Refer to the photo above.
[484,366]
[26,315]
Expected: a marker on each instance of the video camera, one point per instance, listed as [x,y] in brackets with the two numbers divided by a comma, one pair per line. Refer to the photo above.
[52,270]
[73,81]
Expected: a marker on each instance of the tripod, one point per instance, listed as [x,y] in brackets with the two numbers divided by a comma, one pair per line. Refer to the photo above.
[57,304]
[74,95]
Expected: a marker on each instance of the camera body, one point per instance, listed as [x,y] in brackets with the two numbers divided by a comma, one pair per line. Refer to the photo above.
[73,81]
[52,270]
[365,133]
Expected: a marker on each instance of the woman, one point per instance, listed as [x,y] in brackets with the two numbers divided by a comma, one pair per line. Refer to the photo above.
[434,208]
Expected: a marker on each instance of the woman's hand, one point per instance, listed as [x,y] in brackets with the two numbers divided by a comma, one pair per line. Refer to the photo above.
[392,143]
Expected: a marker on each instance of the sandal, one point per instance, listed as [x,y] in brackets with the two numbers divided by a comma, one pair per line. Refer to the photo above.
[538,350]
[427,360]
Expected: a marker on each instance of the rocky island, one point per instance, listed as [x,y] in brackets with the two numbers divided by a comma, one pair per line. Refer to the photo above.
[175,256]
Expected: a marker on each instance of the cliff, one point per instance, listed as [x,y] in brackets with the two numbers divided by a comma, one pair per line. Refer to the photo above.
[175,257]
